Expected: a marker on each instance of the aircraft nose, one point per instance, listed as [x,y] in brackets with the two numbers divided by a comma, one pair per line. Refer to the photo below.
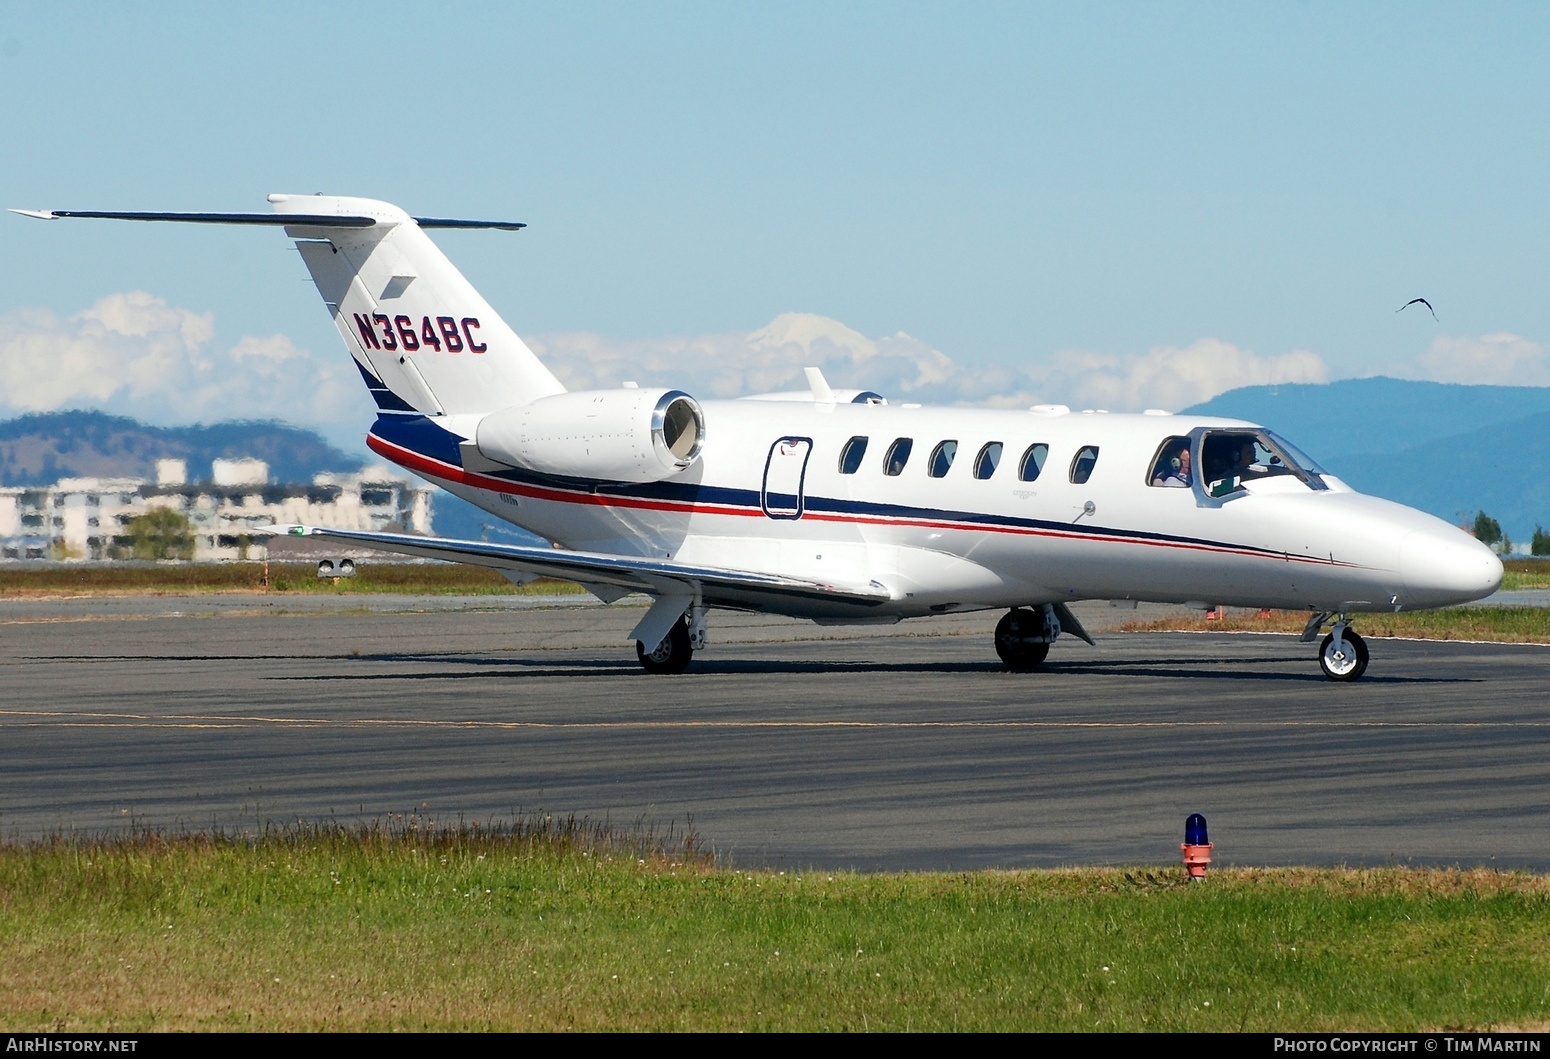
[1447,567]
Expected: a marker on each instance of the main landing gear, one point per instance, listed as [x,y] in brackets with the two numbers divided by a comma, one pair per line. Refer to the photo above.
[677,648]
[1343,654]
[1023,637]
[672,655]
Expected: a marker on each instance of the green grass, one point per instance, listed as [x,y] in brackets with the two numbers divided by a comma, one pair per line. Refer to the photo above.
[370,577]
[551,926]
[1497,624]
[1525,573]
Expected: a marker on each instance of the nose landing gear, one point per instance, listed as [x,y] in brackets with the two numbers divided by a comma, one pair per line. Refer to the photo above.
[1343,654]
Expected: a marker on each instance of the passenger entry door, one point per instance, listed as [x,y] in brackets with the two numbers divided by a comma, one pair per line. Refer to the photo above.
[784,473]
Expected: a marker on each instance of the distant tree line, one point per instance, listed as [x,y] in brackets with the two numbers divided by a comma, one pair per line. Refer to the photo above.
[1488,531]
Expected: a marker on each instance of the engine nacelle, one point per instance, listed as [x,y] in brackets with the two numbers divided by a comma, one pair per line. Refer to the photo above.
[619,435]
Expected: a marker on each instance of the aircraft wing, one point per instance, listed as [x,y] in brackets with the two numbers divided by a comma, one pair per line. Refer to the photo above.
[612,576]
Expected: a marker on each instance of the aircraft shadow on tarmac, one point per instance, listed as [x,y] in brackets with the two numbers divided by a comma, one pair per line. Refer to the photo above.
[1213,669]
[1238,668]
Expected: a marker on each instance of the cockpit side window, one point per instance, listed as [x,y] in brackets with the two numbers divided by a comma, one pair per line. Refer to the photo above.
[1233,459]
[1082,466]
[1032,462]
[988,460]
[898,456]
[1171,469]
[852,455]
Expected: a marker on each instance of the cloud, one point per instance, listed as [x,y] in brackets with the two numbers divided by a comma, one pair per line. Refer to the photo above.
[904,368]
[1173,377]
[1502,358]
[133,354]
[136,355]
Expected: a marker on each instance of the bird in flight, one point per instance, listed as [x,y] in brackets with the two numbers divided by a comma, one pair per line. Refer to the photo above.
[1421,301]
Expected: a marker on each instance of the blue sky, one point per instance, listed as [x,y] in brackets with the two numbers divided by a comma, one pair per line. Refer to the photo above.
[1013,187]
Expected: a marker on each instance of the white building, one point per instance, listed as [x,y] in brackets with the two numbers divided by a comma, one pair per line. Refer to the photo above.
[88,518]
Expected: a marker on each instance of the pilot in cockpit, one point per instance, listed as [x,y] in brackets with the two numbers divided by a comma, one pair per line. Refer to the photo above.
[1245,462]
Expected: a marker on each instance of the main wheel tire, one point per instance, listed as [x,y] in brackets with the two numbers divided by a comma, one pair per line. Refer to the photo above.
[672,655]
[1347,664]
[1012,644]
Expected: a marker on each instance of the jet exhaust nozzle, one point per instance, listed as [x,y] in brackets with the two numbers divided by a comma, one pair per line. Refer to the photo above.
[625,435]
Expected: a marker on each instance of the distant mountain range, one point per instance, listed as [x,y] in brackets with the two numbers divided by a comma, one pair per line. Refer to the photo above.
[1447,449]
[41,448]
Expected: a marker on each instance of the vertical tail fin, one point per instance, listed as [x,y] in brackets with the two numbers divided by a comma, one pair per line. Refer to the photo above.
[422,336]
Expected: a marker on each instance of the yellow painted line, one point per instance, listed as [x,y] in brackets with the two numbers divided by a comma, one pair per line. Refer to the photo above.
[50,719]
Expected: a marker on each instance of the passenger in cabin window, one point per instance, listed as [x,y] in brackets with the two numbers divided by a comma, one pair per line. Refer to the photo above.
[1172,470]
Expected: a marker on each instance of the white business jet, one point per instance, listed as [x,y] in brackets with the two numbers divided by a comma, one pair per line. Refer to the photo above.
[834,505]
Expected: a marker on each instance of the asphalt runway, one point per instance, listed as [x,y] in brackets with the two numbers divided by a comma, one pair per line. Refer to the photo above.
[785,745]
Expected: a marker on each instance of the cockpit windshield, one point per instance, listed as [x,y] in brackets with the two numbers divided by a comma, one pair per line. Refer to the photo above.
[1294,455]
[1232,460]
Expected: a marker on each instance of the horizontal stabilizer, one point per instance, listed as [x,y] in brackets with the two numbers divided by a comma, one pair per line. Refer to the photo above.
[277,220]
[454,222]
[656,577]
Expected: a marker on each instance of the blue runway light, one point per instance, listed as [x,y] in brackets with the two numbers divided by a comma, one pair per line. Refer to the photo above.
[1196,847]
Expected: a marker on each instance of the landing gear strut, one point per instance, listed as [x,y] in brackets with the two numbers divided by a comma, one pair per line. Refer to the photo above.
[1023,637]
[1343,654]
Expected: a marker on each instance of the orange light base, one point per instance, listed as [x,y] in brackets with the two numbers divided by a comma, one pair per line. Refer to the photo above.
[1196,860]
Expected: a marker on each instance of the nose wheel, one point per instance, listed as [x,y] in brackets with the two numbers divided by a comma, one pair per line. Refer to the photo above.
[1343,655]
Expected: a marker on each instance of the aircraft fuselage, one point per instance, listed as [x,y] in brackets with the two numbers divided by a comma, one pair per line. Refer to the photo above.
[769,494]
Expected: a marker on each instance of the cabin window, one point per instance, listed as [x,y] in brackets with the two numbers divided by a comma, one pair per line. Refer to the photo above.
[898,456]
[852,454]
[1171,469]
[1082,466]
[942,459]
[986,462]
[1032,463]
